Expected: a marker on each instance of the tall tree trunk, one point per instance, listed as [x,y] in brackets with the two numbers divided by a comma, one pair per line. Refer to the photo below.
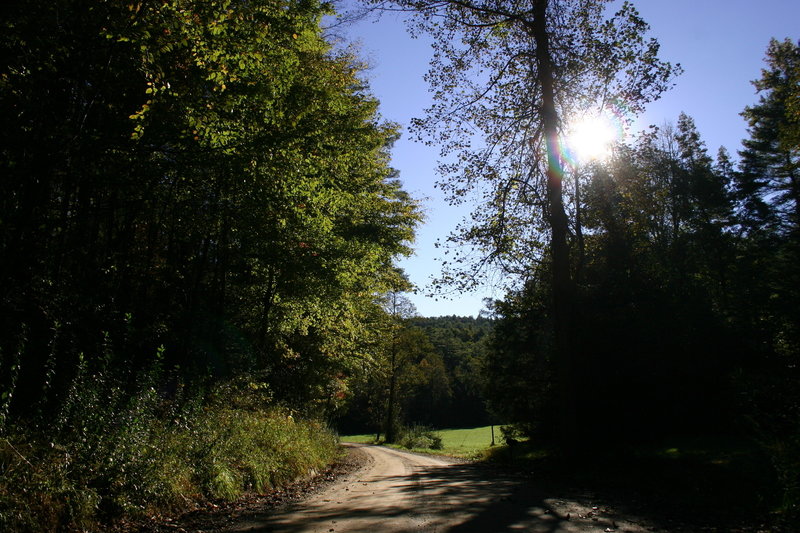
[390,409]
[579,240]
[562,282]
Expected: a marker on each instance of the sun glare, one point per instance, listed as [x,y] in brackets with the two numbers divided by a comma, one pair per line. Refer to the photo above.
[591,139]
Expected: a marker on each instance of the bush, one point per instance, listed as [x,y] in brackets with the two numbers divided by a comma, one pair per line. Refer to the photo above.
[513,434]
[420,437]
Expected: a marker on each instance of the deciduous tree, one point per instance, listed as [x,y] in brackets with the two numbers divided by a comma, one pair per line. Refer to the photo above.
[507,76]
[210,177]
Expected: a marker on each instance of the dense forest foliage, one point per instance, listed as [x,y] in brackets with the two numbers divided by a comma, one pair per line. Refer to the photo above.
[687,311]
[199,227]
[195,198]
[208,182]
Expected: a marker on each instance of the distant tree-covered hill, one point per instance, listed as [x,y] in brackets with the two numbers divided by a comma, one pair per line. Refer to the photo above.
[437,374]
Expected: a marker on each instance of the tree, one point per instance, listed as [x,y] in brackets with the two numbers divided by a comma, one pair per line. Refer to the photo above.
[768,302]
[518,370]
[658,308]
[649,303]
[212,178]
[507,76]
[401,369]
[398,308]
[461,345]
[770,166]
[768,194]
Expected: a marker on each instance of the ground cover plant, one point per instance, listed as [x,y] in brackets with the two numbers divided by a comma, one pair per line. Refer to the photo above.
[152,457]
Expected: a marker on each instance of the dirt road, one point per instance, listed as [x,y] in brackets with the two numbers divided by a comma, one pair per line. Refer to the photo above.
[404,492]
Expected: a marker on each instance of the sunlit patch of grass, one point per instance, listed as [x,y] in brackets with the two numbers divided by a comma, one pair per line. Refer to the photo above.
[672,452]
[359,439]
[468,443]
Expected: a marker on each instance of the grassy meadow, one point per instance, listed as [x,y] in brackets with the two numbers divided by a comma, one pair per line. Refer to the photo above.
[468,442]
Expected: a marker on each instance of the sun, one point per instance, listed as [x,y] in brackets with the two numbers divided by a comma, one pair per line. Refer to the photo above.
[591,139]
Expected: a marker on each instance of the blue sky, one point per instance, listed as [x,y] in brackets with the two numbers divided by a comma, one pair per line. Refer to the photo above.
[719,43]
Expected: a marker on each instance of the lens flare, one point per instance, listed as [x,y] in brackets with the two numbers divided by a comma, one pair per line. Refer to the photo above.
[592,137]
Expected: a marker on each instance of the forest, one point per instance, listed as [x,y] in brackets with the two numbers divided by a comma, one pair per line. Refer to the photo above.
[197,215]
[200,228]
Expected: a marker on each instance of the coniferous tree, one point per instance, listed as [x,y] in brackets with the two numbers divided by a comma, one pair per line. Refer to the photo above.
[769,183]
[768,278]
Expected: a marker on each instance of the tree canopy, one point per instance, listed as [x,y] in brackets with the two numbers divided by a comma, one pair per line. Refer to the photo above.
[212,179]
[501,70]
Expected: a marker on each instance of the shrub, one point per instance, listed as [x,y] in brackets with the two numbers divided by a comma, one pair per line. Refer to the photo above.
[420,437]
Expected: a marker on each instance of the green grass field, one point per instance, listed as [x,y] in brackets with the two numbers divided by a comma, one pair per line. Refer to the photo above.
[368,439]
[469,442]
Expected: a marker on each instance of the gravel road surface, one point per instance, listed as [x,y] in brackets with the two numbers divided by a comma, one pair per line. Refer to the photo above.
[404,492]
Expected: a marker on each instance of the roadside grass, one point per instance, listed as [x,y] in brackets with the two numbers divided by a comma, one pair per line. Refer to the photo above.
[149,458]
[359,439]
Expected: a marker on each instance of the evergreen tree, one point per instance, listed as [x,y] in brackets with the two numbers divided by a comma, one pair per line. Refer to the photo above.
[769,182]
[767,274]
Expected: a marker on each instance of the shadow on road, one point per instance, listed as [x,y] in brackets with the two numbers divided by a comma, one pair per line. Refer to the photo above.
[474,498]
[453,498]
[406,492]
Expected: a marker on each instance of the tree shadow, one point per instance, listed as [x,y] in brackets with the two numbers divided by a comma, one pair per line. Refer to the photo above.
[549,496]
[460,498]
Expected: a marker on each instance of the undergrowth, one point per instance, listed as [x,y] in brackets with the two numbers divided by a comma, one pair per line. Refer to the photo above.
[109,454]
